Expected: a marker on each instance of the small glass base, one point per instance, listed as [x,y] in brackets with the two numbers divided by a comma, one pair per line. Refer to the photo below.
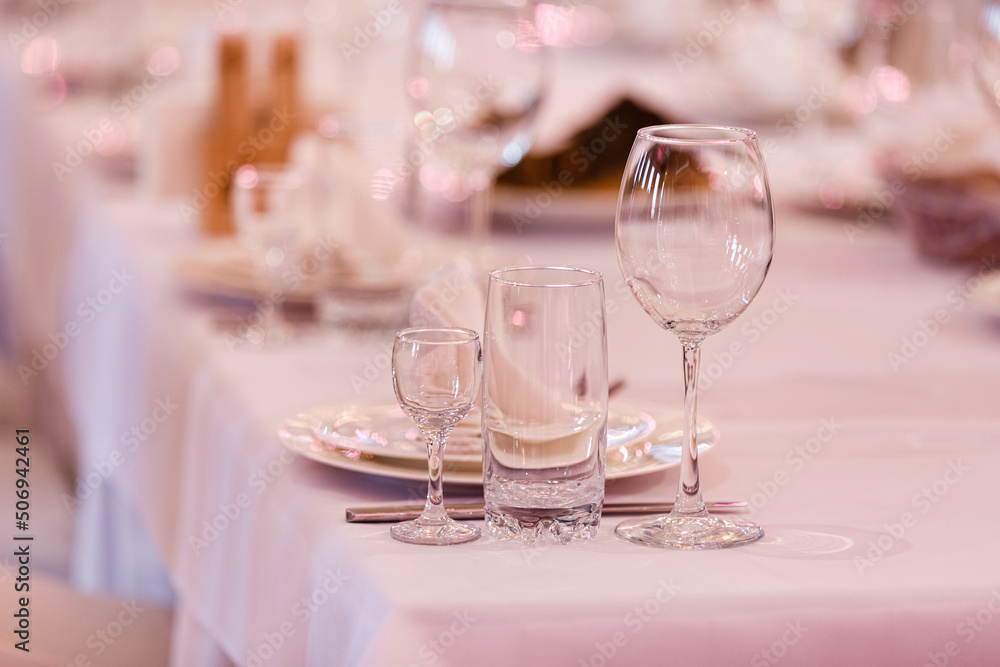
[561,524]
[422,531]
[697,531]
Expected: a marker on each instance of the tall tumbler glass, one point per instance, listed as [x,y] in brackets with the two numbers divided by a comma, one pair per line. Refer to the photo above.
[545,403]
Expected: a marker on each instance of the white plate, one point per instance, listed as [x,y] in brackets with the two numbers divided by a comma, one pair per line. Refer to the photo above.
[225,267]
[377,438]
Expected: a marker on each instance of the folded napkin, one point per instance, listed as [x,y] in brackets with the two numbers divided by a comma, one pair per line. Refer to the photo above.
[455,297]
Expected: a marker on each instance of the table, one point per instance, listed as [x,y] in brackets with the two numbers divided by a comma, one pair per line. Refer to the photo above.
[856,401]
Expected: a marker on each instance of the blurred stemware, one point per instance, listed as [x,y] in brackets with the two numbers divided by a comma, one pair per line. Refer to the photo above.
[986,58]
[269,209]
[478,80]
[694,233]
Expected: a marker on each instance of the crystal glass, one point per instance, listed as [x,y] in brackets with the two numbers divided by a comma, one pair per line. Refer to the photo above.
[986,62]
[545,403]
[694,232]
[270,212]
[436,375]
[477,84]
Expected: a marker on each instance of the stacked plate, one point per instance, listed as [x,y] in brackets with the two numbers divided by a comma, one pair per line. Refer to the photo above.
[377,438]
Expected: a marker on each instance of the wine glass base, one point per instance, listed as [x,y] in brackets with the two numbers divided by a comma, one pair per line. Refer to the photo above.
[421,531]
[698,531]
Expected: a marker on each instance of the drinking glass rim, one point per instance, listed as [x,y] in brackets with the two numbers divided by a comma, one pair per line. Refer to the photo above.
[406,335]
[743,134]
[595,276]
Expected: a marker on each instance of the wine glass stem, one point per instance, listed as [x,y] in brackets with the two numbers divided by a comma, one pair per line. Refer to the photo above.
[481,211]
[689,499]
[273,297]
[434,507]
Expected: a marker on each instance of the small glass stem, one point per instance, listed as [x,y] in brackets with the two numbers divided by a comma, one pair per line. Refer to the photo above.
[481,212]
[689,501]
[275,286]
[434,507]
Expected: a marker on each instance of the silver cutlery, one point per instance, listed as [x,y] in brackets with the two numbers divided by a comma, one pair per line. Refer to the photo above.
[384,513]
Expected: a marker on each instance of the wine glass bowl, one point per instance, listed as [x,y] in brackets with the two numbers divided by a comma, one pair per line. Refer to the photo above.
[477,83]
[436,376]
[694,233]
[986,56]
[691,238]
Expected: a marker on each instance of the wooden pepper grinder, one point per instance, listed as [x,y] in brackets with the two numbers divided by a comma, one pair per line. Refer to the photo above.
[230,127]
[279,121]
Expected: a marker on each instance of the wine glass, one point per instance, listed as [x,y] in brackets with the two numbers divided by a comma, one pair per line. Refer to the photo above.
[694,232]
[436,375]
[270,216]
[478,81]
[986,60]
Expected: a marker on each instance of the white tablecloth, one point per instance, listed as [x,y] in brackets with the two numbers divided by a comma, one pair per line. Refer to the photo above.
[866,438]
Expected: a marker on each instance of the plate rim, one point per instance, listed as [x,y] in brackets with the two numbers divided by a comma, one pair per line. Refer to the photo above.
[318,413]
[302,440]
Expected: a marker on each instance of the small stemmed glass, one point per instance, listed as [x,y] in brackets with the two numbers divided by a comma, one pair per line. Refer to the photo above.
[694,233]
[270,219]
[436,375]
